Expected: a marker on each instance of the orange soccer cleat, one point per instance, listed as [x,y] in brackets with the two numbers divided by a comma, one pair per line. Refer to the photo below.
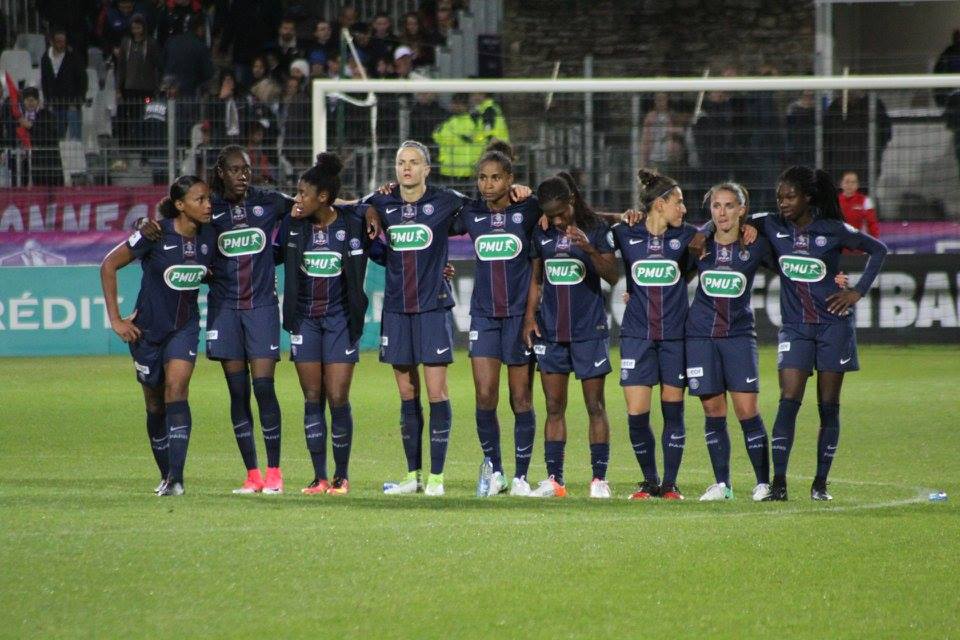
[274,481]
[317,487]
[253,483]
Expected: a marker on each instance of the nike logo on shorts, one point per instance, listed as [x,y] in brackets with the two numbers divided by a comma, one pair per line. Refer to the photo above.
[845,360]
[599,362]
[274,347]
[350,352]
[191,353]
[751,380]
[294,233]
[442,351]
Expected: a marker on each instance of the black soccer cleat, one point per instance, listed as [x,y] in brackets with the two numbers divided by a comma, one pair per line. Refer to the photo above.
[818,490]
[778,491]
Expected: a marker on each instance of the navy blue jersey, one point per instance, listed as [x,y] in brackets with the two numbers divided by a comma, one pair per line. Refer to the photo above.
[320,290]
[417,236]
[501,241]
[244,275]
[655,266]
[571,302]
[721,306]
[808,261]
[173,268]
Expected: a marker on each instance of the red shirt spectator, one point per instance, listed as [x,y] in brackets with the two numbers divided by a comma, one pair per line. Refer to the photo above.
[857,208]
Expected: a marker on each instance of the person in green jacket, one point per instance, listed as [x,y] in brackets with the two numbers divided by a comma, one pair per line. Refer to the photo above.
[460,141]
[488,116]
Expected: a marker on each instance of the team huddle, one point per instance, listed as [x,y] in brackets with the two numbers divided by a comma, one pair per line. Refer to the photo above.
[537,303]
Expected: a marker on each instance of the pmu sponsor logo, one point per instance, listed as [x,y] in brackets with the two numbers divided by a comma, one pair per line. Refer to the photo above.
[184,277]
[803,268]
[497,246]
[241,242]
[723,284]
[564,271]
[655,273]
[410,237]
[321,264]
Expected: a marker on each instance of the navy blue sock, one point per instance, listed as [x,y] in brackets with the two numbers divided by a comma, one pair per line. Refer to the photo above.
[599,459]
[488,430]
[419,441]
[784,428]
[179,425]
[758,447]
[673,440]
[238,384]
[410,431]
[644,446]
[269,418]
[315,431]
[157,431]
[441,417]
[342,438]
[524,430]
[718,446]
[553,455]
[828,438]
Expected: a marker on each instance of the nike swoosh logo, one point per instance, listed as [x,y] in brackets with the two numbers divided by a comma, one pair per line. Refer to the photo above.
[754,438]
[220,215]
[338,436]
[845,361]
[599,362]
[294,233]
[312,424]
[783,235]
[674,436]
[442,351]
[775,439]
[350,352]
[680,377]
[191,353]
[634,241]
[831,447]
[480,219]
[547,241]
[268,429]
[392,210]
[526,448]
[708,434]
[167,248]
[180,428]
[274,347]
[526,352]
[751,380]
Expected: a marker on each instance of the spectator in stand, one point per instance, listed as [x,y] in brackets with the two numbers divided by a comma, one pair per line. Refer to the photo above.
[657,126]
[347,18]
[326,43]
[333,66]
[288,47]
[947,62]
[228,111]
[318,67]
[271,57]
[845,138]
[64,82]
[295,122]
[414,37]
[248,26]
[187,58]
[488,118]
[41,126]
[113,23]
[76,17]
[858,209]
[264,88]
[261,163]
[384,68]
[360,32]
[175,18]
[384,41]
[713,135]
[461,142]
[139,69]
[300,71]
[801,130]
[446,21]
[403,63]
[425,116]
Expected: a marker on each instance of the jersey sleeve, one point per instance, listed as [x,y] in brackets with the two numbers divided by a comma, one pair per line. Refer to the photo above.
[535,244]
[876,250]
[279,243]
[615,232]
[139,244]
[603,239]
[378,252]
[759,222]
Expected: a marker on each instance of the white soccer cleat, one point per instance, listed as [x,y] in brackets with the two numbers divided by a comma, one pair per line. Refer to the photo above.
[520,486]
[434,486]
[761,492]
[549,488]
[498,484]
[717,493]
[600,489]
[410,484]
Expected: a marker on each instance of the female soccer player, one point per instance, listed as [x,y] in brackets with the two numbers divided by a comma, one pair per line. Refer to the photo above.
[164,328]
[818,331]
[721,343]
[656,257]
[501,230]
[323,251]
[565,311]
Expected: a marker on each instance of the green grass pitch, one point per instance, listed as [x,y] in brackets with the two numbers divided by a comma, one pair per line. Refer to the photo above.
[89,552]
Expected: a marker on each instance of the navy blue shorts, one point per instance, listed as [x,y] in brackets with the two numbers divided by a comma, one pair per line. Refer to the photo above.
[645,363]
[715,365]
[325,339]
[417,338]
[831,346]
[149,357]
[499,338]
[243,334]
[587,359]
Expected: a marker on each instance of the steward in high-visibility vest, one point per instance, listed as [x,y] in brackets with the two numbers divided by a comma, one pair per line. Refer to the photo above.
[460,141]
[489,118]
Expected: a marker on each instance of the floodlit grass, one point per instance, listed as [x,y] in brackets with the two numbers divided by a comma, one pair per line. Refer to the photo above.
[89,552]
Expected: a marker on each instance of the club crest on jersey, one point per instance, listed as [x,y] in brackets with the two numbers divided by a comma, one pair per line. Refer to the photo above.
[321,264]
[723,284]
[803,268]
[820,241]
[258,211]
[564,271]
[428,209]
[801,242]
[204,249]
[563,243]
[498,221]
[354,243]
[408,212]
[409,237]
[189,249]
[655,273]
[319,237]
[656,245]
[497,246]
[517,218]
[341,235]
[675,244]
[184,277]
[744,254]
[241,242]
[724,255]
[238,215]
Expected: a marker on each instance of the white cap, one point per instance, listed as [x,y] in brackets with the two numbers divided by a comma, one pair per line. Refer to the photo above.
[401,51]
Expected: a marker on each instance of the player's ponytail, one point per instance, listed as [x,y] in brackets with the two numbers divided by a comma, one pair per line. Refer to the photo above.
[818,186]
[178,191]
[653,185]
[325,175]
